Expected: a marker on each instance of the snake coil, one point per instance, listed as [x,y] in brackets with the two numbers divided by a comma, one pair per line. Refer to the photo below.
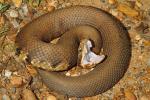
[116,45]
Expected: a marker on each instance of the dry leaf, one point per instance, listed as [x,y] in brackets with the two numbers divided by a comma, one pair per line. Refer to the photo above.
[17,3]
[127,10]
[129,95]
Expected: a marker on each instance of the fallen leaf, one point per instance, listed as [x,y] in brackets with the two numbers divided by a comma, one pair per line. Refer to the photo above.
[16,81]
[129,95]
[17,3]
[127,10]
[4,7]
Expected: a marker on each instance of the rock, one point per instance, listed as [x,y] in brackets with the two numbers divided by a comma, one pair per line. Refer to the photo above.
[31,70]
[76,71]
[112,2]
[7,73]
[5,97]
[127,10]
[72,73]
[28,95]
[51,97]
[144,97]
[137,37]
[114,12]
[17,3]
[51,8]
[129,95]
[13,13]
[16,81]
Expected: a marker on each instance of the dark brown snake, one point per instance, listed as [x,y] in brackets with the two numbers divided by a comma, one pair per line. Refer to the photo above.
[116,46]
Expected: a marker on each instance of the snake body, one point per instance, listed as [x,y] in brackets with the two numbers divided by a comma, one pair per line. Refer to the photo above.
[116,46]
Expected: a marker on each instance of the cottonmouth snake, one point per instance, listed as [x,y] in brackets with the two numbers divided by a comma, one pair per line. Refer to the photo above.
[116,46]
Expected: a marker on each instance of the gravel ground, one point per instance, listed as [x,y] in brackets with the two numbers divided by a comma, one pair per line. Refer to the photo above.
[18,80]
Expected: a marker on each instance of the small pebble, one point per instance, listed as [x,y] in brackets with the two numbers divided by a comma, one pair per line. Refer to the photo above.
[7,73]
[112,2]
[13,13]
[16,81]
[5,97]
[68,74]
[28,95]
[137,37]
[51,97]
[51,8]
[114,12]
[76,71]
[15,73]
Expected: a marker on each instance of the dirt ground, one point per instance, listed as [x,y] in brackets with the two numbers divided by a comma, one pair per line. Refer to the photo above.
[19,80]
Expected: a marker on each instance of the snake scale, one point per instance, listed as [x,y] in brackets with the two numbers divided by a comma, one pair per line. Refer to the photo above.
[115,43]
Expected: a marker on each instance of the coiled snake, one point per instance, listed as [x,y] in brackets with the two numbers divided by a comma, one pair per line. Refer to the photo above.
[116,45]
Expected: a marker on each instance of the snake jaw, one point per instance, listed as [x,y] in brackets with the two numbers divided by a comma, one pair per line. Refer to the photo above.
[87,58]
